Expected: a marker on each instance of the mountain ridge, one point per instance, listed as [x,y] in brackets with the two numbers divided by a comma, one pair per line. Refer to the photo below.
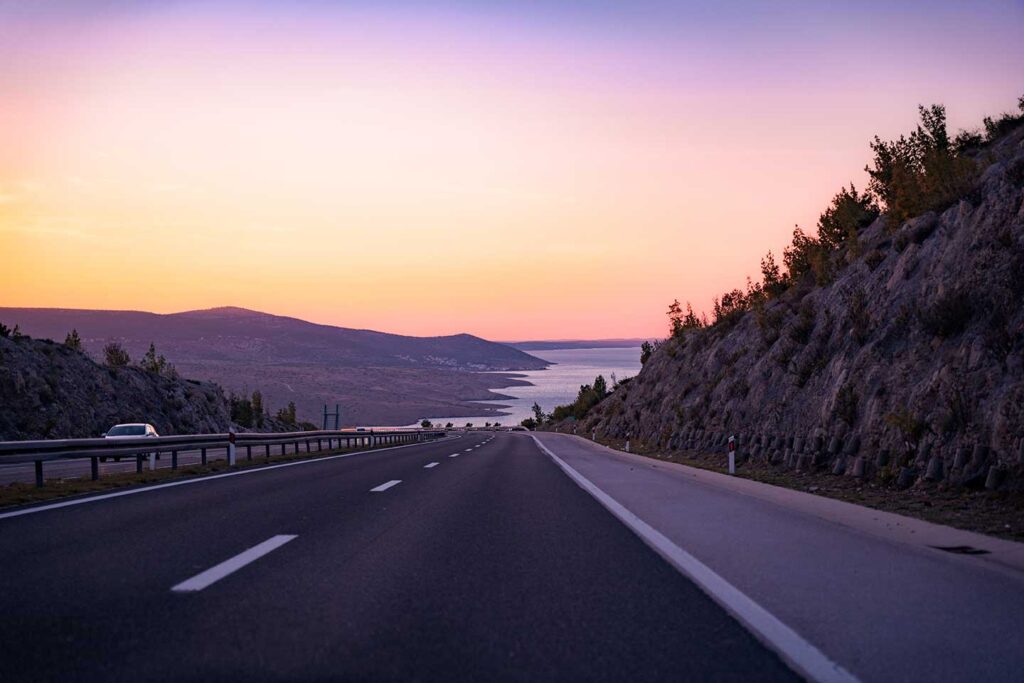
[136,329]
[377,377]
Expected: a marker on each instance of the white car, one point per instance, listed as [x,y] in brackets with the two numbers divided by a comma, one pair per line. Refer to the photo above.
[131,430]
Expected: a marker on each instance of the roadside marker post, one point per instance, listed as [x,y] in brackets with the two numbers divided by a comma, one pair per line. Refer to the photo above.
[231,449]
[732,455]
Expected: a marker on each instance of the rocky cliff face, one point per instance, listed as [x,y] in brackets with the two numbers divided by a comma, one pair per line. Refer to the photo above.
[909,366]
[50,391]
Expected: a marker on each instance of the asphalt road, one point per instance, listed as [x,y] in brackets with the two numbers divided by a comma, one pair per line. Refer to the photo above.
[406,563]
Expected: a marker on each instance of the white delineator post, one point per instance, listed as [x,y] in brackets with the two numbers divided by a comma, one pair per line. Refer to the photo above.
[732,455]
[231,449]
[152,461]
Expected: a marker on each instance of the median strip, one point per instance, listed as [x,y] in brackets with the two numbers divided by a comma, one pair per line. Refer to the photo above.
[227,567]
[385,486]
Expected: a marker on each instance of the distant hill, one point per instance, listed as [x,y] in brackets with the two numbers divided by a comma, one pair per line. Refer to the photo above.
[551,344]
[237,335]
[378,378]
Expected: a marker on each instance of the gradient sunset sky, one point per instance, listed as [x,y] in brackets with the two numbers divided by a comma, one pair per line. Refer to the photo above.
[515,170]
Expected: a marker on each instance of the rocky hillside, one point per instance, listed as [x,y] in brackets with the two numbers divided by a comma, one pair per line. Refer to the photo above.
[907,367]
[50,391]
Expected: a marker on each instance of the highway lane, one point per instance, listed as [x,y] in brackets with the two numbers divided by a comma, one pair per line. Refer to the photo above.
[465,559]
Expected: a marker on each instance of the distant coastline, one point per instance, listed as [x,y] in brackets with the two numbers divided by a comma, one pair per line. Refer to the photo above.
[554,344]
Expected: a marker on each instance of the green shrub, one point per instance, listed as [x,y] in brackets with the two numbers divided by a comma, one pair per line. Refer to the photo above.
[804,255]
[730,306]
[908,424]
[949,315]
[845,407]
[848,213]
[73,341]
[874,258]
[156,364]
[588,396]
[921,173]
[1004,124]
[773,282]
[115,356]
[287,415]
[859,316]
[680,322]
[646,349]
[241,410]
[801,330]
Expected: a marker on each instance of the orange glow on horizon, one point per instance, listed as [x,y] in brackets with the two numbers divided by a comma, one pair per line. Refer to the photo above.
[401,177]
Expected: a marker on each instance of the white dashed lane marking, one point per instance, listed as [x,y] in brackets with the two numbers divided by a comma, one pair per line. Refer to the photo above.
[385,486]
[232,565]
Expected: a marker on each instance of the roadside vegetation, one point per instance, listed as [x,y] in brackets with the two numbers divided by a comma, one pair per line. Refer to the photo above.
[916,173]
[926,170]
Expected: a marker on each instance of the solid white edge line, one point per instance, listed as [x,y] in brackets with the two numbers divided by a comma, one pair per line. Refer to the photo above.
[799,654]
[385,486]
[199,480]
[232,565]
[433,464]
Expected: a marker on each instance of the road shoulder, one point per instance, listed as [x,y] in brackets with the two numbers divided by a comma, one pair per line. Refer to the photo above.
[862,586]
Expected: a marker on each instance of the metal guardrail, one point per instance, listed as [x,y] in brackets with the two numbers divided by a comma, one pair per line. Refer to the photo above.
[39,452]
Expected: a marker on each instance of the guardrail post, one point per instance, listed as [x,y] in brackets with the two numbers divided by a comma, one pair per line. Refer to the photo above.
[231,449]
[202,455]
[39,474]
[174,460]
[138,463]
[267,450]
[94,467]
[248,452]
[307,446]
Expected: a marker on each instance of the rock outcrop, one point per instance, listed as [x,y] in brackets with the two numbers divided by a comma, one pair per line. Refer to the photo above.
[50,391]
[907,367]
